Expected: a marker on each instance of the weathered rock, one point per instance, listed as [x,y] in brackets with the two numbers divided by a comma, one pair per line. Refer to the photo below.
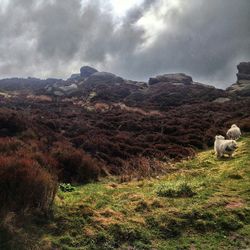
[171,78]
[87,71]
[28,84]
[74,77]
[103,77]
[242,86]
[244,68]
[65,90]
[70,89]
[58,93]
[241,76]
[54,80]
[222,100]
[153,81]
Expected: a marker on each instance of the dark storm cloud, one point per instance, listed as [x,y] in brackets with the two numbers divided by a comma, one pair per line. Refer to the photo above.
[55,37]
[203,38]
[59,29]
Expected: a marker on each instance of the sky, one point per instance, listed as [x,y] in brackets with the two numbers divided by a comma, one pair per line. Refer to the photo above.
[135,39]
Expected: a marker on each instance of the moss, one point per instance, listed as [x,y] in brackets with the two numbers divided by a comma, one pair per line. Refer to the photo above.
[171,229]
[128,233]
[229,223]
[66,240]
[204,225]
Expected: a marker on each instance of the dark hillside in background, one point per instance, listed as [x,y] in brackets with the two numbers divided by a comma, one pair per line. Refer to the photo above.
[115,122]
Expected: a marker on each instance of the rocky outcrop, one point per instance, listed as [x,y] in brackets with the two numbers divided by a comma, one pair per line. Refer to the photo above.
[244,71]
[75,77]
[177,79]
[65,90]
[163,95]
[103,78]
[87,71]
[26,84]
[90,80]
[70,89]
[242,86]
[222,100]
[163,91]
[244,68]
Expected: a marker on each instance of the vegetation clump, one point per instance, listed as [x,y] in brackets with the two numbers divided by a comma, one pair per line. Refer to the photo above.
[75,165]
[24,184]
[179,190]
[66,187]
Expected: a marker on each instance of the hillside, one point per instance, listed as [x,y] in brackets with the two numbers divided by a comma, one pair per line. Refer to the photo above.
[202,203]
[100,162]
[118,135]
[118,122]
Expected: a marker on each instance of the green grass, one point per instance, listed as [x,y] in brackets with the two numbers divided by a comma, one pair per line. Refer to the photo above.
[202,204]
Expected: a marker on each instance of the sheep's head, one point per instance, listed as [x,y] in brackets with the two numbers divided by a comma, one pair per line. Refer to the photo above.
[231,146]
[219,137]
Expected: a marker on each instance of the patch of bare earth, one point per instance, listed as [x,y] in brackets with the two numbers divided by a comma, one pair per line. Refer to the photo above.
[234,205]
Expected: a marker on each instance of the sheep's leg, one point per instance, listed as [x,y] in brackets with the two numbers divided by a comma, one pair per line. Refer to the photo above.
[218,155]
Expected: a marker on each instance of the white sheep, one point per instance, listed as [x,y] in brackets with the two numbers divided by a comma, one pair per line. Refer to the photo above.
[222,146]
[234,132]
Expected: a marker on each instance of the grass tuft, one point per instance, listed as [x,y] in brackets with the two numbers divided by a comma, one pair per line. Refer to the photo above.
[178,190]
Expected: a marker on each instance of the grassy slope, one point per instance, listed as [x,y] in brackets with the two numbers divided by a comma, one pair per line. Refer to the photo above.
[109,215]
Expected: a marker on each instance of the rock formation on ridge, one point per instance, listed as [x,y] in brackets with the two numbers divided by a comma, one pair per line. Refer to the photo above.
[242,86]
[178,78]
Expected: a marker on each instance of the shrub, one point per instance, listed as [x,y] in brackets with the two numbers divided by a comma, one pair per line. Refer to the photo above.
[89,169]
[24,184]
[11,235]
[9,145]
[244,124]
[12,122]
[75,164]
[46,161]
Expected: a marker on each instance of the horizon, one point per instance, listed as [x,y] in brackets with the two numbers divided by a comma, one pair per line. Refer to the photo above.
[143,81]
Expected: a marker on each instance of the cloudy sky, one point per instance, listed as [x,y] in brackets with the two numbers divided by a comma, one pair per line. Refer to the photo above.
[135,39]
